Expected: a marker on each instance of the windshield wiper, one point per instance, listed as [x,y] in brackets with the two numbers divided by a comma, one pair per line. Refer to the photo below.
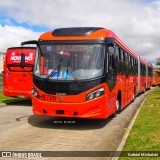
[56,68]
[73,75]
[50,74]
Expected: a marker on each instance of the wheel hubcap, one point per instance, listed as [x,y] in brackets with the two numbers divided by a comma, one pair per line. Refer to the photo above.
[117,105]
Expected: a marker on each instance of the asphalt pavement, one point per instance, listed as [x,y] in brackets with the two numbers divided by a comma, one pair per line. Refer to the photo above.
[20,130]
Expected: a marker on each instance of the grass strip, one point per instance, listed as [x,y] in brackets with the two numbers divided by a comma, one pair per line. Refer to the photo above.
[7,100]
[1,81]
[145,133]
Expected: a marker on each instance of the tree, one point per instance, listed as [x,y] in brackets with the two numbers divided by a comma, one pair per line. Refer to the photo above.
[158,61]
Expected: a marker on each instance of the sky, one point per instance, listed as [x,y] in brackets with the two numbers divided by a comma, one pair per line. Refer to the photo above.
[136,23]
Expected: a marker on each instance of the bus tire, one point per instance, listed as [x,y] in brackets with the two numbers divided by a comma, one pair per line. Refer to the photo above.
[118,106]
[134,94]
[133,98]
[117,109]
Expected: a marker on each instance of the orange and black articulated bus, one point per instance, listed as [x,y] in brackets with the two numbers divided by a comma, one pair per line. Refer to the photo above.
[156,77]
[18,70]
[86,73]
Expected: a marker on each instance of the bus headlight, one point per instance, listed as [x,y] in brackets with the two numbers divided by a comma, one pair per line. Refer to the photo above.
[95,94]
[34,92]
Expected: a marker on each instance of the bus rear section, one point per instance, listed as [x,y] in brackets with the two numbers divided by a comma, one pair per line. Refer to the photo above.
[156,77]
[18,70]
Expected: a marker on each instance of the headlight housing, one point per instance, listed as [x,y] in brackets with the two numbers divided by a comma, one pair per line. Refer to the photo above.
[97,93]
[34,92]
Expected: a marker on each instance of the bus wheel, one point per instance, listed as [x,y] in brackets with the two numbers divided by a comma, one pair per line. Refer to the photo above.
[117,109]
[144,89]
[134,94]
[133,97]
[118,106]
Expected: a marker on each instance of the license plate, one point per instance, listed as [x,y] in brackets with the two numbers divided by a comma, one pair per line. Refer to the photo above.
[47,97]
[20,96]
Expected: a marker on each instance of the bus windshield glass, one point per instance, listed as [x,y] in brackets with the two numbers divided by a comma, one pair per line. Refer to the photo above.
[13,59]
[66,61]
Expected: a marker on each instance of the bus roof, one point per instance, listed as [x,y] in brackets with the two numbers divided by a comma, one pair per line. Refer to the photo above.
[77,33]
[86,33]
[21,48]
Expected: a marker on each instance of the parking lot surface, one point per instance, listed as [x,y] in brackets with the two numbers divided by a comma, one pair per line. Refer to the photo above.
[20,130]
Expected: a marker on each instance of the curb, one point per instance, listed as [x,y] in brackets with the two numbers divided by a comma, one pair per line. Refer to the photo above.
[124,139]
[3,104]
[12,102]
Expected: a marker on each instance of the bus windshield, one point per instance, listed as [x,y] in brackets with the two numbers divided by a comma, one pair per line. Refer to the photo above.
[64,61]
[13,59]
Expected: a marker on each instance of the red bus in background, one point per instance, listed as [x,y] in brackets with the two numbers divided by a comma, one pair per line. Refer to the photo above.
[156,77]
[18,70]
[86,73]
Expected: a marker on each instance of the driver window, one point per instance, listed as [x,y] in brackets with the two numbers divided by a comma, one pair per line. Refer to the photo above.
[111,57]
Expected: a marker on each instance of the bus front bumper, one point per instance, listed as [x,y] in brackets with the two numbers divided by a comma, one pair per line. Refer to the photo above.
[95,108]
[17,93]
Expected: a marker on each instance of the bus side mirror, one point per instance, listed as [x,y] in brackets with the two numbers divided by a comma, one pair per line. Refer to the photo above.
[29,42]
[22,60]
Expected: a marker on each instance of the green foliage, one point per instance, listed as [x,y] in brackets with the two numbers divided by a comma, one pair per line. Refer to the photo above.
[158,61]
[1,80]
[7,100]
[145,133]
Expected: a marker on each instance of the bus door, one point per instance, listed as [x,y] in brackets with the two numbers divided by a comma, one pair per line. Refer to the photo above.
[111,76]
[111,79]
[126,99]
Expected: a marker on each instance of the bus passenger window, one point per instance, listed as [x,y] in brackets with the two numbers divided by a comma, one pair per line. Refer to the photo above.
[111,49]
[119,57]
[124,57]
